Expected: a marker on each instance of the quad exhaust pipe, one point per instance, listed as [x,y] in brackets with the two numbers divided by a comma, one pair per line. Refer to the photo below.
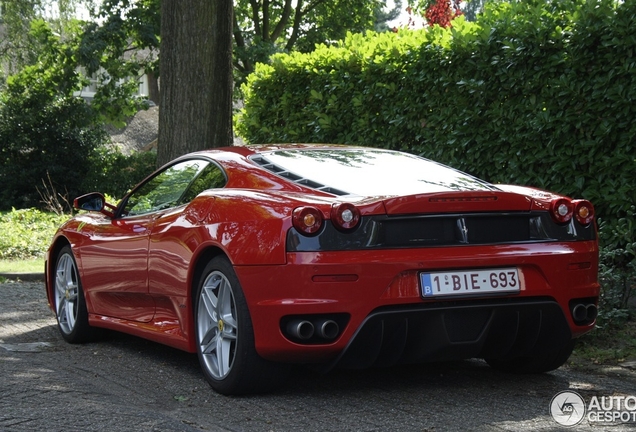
[584,313]
[304,330]
[328,329]
[300,329]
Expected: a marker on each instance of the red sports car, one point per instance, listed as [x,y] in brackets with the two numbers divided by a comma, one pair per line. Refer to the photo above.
[336,256]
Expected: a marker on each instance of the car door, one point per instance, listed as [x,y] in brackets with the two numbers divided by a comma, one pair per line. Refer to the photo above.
[114,264]
[116,259]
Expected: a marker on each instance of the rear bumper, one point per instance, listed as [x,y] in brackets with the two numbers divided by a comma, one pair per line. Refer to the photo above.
[451,332]
[379,292]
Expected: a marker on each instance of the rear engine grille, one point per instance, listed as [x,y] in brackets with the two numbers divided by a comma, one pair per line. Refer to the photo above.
[378,232]
[455,230]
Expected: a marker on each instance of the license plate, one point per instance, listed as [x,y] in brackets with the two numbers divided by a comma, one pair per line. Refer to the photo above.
[502,280]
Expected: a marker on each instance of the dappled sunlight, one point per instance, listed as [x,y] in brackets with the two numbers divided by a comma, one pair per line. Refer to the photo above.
[32,374]
[9,359]
[26,347]
[12,328]
[15,316]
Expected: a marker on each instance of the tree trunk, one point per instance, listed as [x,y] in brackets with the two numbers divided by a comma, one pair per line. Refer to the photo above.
[196,77]
[153,87]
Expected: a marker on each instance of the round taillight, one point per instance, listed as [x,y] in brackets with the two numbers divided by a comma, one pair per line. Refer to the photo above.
[345,216]
[307,220]
[562,210]
[583,212]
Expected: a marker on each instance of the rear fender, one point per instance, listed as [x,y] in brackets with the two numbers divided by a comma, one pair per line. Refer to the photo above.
[248,226]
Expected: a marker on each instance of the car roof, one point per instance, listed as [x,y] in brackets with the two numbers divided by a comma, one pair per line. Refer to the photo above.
[244,173]
[271,167]
[252,149]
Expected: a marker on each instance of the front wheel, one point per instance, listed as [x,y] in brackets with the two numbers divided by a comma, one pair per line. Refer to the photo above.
[70,305]
[544,361]
[225,337]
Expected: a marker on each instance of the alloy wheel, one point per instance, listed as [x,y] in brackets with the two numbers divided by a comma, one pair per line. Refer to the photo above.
[66,293]
[217,325]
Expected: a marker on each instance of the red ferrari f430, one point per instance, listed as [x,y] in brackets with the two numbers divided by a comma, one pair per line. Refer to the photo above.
[334,256]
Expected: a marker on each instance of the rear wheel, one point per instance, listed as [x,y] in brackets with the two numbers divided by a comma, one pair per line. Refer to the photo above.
[225,337]
[70,305]
[544,361]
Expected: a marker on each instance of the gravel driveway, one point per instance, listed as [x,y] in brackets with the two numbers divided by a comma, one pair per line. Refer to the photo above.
[123,383]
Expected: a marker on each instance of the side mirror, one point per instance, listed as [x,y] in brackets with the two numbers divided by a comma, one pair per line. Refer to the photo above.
[93,201]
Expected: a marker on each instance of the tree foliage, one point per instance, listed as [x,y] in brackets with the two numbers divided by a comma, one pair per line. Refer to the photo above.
[384,16]
[260,29]
[18,47]
[46,132]
[117,50]
[264,27]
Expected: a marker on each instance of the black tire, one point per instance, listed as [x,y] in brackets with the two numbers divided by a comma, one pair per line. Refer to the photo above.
[70,305]
[545,361]
[225,336]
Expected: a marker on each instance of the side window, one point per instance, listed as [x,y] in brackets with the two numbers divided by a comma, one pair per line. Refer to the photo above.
[165,189]
[211,177]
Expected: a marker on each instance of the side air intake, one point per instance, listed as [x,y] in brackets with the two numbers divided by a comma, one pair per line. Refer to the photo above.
[271,167]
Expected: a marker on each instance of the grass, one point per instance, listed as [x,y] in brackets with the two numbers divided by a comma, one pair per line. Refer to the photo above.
[22,266]
[607,346]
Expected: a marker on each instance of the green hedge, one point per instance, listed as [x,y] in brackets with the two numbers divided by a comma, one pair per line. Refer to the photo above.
[27,233]
[534,92]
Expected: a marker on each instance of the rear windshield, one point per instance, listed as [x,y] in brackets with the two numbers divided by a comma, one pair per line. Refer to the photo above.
[368,172]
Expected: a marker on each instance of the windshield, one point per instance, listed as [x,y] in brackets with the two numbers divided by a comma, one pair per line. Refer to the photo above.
[369,172]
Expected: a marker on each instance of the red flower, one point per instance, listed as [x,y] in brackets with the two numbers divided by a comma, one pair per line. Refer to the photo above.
[441,13]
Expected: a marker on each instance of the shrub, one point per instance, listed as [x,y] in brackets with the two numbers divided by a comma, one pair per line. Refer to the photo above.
[114,173]
[534,92]
[59,143]
[43,138]
[617,269]
[27,233]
